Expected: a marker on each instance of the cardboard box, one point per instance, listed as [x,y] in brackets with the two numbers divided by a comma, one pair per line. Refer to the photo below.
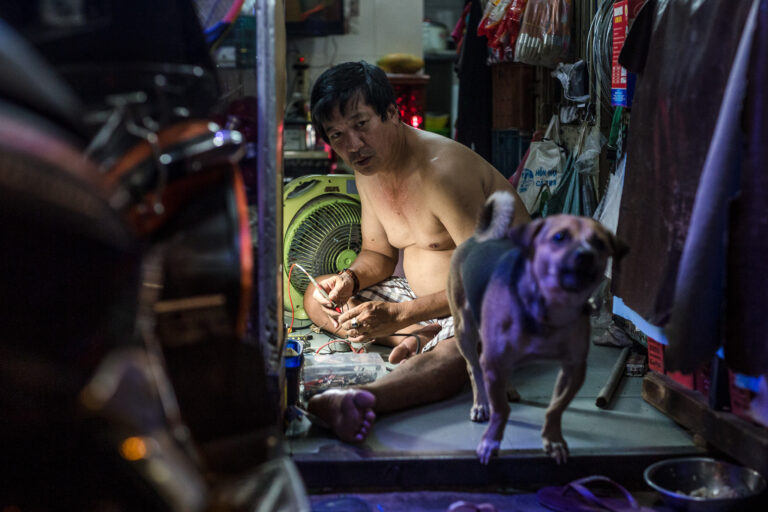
[655,355]
[741,395]
[656,363]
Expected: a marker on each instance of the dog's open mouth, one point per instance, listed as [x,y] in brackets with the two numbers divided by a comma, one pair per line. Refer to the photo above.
[576,280]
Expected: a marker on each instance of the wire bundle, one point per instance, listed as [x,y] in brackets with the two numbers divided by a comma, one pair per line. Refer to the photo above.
[599,53]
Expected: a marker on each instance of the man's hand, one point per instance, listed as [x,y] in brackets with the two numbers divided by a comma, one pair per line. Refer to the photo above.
[371,320]
[339,290]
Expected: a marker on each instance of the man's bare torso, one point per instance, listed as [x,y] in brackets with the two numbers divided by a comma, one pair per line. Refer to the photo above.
[442,179]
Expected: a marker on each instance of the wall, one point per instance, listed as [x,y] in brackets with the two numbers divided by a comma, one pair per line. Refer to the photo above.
[446,12]
[376,27]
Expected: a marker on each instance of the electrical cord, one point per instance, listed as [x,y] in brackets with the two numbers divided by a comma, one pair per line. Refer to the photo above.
[364,345]
[290,299]
[347,342]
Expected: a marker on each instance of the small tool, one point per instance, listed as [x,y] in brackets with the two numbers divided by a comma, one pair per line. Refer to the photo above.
[322,291]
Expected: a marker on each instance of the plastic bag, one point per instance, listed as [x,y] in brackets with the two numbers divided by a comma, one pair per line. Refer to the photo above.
[576,194]
[607,212]
[543,170]
[515,178]
[574,79]
[545,33]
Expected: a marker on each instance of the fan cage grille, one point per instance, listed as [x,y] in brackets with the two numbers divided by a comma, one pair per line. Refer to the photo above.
[328,229]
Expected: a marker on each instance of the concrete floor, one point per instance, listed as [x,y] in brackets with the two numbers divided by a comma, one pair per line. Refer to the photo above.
[433,447]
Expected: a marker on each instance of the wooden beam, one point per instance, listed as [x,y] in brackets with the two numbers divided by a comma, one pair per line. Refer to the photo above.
[740,439]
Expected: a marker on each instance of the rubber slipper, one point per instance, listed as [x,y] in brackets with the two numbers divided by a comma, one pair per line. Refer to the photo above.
[576,497]
[465,506]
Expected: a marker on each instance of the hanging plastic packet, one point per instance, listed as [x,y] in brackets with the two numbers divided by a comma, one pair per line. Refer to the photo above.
[545,33]
[492,17]
[505,37]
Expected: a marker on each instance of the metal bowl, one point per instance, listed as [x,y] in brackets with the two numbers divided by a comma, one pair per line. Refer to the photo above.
[701,484]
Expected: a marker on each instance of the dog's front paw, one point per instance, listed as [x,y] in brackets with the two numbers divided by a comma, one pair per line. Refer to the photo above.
[487,449]
[480,412]
[557,449]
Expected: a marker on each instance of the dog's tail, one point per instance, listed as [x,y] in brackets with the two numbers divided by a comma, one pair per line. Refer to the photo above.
[496,217]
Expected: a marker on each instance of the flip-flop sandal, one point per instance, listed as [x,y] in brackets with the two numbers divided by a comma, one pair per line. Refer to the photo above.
[465,506]
[576,497]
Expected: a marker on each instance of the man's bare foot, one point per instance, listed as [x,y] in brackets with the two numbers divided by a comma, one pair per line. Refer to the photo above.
[348,412]
[411,345]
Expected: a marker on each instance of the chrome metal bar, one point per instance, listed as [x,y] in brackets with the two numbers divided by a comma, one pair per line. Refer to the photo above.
[271,83]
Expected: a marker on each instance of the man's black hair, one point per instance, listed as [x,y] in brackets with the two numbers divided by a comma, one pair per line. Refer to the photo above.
[342,83]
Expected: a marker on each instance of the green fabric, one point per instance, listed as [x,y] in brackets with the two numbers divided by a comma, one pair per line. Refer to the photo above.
[613,137]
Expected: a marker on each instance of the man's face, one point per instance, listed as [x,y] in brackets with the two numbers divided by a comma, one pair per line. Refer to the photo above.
[360,136]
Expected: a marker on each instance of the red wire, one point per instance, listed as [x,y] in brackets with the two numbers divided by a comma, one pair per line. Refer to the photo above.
[359,351]
[290,328]
[310,12]
[290,299]
[233,11]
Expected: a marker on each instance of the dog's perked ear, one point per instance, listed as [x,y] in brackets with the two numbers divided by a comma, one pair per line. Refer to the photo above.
[524,234]
[618,248]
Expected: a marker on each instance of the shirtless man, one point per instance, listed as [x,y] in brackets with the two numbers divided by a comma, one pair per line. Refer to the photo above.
[419,192]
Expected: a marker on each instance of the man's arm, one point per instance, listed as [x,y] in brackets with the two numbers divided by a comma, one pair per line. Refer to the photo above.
[426,307]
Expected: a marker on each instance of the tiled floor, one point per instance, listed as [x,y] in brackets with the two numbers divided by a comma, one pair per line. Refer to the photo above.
[435,444]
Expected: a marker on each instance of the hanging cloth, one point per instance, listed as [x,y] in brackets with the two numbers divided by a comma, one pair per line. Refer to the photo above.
[473,123]
[695,329]
[676,106]
[746,349]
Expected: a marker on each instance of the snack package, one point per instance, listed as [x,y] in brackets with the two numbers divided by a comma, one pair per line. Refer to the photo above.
[509,28]
[492,17]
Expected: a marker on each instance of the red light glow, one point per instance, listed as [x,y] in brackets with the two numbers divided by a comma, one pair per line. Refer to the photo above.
[410,102]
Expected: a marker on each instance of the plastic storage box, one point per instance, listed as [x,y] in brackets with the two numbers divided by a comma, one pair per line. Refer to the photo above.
[322,372]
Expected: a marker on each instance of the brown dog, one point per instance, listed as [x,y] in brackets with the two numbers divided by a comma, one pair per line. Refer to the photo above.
[524,292]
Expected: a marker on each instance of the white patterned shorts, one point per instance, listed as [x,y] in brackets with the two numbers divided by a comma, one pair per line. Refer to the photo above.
[396,289]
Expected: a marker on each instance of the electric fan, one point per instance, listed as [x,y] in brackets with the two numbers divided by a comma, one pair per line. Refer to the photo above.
[321,232]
